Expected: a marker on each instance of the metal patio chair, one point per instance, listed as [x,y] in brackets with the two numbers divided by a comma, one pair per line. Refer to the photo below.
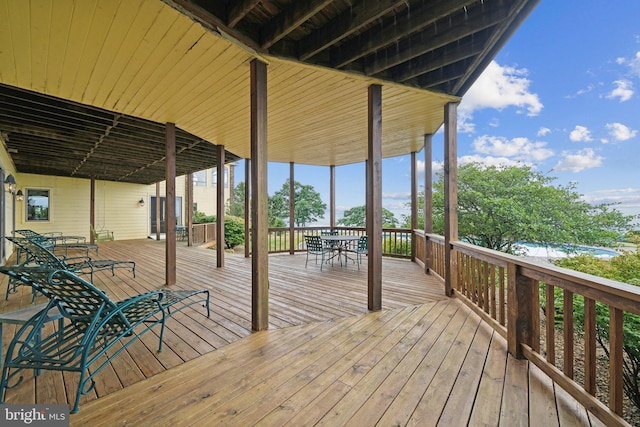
[316,247]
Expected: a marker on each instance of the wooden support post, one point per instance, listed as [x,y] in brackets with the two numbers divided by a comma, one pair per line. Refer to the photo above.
[247,208]
[374,197]
[158,213]
[259,206]
[292,208]
[332,197]
[170,203]
[414,203]
[220,243]
[188,211]
[428,199]
[450,195]
[92,209]
[520,308]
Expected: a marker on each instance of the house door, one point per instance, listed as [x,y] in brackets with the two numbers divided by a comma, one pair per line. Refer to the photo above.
[163,225]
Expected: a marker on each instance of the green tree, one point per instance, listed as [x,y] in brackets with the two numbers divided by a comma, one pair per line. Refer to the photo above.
[235,205]
[357,217]
[309,206]
[499,206]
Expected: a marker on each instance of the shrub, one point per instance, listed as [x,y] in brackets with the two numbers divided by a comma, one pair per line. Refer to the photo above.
[233,231]
[201,217]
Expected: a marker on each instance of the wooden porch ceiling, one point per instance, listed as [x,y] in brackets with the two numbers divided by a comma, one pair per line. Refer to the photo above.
[186,62]
[53,136]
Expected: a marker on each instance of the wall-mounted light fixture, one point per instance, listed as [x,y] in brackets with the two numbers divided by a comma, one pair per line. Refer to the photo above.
[10,184]
[141,203]
[19,196]
[10,187]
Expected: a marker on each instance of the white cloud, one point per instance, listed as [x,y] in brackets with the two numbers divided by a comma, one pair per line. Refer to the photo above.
[588,89]
[633,63]
[402,195]
[627,200]
[489,160]
[620,132]
[544,131]
[580,133]
[623,90]
[498,87]
[581,160]
[517,148]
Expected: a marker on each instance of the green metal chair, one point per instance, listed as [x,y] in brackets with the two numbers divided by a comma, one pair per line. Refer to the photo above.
[95,328]
[363,249]
[316,247]
[38,255]
[56,240]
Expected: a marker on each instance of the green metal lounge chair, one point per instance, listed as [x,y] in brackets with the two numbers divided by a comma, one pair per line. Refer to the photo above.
[38,255]
[95,328]
[56,240]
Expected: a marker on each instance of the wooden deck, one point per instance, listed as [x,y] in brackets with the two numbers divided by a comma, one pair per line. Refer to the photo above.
[422,360]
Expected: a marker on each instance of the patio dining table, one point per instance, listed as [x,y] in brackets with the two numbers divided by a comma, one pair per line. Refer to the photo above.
[343,242]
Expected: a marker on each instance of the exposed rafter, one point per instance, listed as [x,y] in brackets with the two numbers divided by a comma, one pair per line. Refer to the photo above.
[434,37]
[382,36]
[344,25]
[239,10]
[290,18]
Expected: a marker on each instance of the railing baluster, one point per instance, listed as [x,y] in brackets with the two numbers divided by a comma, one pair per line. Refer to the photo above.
[550,312]
[492,275]
[616,335]
[502,299]
[568,333]
[590,346]
[535,316]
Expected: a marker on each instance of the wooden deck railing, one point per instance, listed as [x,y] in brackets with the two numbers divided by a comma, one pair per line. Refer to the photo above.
[396,242]
[505,291]
[203,233]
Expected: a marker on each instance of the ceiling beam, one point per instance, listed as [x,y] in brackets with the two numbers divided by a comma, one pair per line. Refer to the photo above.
[290,19]
[434,37]
[439,58]
[345,24]
[210,21]
[376,38]
[239,10]
[517,14]
[443,75]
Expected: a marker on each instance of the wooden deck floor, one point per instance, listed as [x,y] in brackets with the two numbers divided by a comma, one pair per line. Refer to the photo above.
[422,360]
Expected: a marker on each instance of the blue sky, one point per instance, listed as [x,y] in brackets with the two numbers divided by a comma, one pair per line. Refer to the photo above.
[562,95]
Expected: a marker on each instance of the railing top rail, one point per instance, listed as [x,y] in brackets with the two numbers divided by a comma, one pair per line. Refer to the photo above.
[557,276]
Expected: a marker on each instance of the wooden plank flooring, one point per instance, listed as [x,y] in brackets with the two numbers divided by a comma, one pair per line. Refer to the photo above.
[423,360]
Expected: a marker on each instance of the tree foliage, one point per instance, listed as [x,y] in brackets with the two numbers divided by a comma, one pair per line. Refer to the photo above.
[500,206]
[357,217]
[235,205]
[309,206]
